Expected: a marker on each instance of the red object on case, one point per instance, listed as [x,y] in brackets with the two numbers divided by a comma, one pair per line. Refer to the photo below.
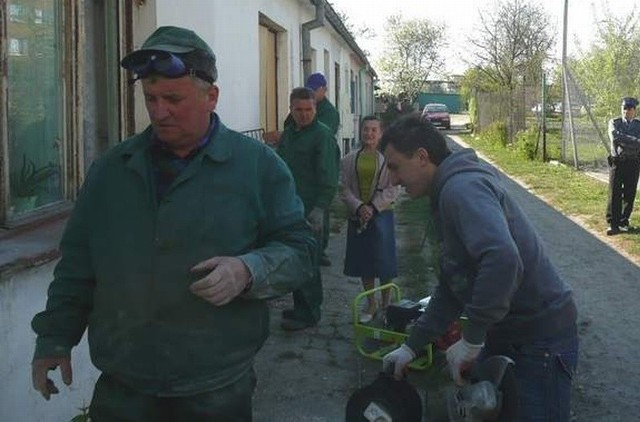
[453,334]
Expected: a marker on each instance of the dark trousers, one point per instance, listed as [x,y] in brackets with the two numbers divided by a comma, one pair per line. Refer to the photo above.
[544,371]
[308,298]
[114,401]
[623,185]
[326,230]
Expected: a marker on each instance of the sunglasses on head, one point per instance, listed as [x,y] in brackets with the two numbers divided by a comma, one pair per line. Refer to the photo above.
[167,65]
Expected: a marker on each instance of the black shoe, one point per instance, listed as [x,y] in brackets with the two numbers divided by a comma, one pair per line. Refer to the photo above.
[296,324]
[613,231]
[325,261]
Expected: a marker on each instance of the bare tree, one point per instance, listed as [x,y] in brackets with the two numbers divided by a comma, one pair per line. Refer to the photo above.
[412,53]
[512,42]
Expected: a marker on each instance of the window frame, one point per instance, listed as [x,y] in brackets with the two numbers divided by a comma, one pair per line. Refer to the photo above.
[71,119]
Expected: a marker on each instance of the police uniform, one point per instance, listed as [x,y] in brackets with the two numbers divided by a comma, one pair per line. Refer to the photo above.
[624,164]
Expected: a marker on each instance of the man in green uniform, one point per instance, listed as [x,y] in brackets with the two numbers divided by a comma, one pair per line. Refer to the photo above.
[325,111]
[327,114]
[309,150]
[178,236]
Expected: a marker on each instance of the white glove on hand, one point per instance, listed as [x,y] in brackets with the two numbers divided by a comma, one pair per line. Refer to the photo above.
[230,276]
[398,360]
[460,357]
[316,219]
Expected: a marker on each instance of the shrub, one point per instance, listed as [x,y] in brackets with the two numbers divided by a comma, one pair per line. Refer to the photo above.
[496,133]
[525,143]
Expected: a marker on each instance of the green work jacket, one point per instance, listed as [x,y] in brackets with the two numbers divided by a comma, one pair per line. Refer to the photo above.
[126,256]
[327,114]
[310,154]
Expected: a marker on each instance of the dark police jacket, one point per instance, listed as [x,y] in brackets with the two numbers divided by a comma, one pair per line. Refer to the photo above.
[625,139]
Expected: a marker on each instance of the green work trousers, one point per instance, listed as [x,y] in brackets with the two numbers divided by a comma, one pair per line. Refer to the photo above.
[325,230]
[113,401]
[308,298]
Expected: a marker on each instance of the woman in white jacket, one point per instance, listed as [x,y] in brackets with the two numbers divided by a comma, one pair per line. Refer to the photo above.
[366,190]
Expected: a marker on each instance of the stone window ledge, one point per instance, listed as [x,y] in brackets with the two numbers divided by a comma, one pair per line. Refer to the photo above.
[31,246]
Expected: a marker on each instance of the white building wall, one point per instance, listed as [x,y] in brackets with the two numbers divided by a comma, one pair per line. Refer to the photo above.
[21,297]
[232,33]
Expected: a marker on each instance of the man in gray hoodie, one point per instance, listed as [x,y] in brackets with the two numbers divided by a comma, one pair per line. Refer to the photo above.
[493,270]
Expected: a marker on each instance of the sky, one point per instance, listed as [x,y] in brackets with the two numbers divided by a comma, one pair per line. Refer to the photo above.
[462,16]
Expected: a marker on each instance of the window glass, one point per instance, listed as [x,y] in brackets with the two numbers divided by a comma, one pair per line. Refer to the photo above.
[35,105]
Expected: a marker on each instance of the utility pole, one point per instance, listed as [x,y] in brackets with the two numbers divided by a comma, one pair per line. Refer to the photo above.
[566,107]
[544,117]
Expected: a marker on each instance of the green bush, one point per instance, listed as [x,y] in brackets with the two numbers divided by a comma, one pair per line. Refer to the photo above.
[525,143]
[496,133]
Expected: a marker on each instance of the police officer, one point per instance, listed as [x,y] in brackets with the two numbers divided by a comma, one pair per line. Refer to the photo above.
[624,162]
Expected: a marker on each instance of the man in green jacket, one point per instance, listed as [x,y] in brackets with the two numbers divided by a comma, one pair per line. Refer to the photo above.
[309,150]
[325,111]
[327,114]
[178,236]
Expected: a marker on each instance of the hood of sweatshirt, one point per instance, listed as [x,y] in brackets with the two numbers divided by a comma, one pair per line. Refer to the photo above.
[461,161]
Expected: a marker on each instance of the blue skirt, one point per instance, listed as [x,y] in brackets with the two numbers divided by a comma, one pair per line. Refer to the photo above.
[372,252]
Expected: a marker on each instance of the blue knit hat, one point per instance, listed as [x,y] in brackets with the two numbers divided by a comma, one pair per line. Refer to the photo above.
[315,81]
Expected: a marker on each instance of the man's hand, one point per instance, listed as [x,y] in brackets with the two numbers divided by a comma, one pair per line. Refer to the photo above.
[228,278]
[398,361]
[40,369]
[316,219]
[460,357]
[272,138]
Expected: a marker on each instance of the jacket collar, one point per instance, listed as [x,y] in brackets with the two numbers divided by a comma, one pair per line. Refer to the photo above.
[135,150]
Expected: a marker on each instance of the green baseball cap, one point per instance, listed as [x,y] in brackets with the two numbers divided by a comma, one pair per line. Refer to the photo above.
[182,42]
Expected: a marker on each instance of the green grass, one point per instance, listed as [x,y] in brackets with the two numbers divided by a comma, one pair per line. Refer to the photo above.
[570,191]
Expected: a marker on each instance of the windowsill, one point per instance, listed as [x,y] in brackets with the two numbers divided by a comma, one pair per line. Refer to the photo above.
[31,246]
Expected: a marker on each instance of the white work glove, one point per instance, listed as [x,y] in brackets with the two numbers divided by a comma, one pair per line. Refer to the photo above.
[229,278]
[460,357]
[398,360]
[316,219]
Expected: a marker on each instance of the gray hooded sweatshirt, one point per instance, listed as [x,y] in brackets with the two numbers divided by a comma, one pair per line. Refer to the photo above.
[493,267]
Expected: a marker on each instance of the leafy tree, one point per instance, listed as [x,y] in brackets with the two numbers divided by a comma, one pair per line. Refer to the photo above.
[412,53]
[608,71]
[512,42]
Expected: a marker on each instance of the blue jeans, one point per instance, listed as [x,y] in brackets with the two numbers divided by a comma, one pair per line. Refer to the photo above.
[544,371]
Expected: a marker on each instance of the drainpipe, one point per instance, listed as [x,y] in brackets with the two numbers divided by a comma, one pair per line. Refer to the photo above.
[306,37]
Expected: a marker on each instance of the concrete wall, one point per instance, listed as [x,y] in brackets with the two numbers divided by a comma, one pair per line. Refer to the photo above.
[21,297]
[452,101]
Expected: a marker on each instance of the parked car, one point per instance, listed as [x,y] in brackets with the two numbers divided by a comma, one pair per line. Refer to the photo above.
[438,114]
[553,109]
